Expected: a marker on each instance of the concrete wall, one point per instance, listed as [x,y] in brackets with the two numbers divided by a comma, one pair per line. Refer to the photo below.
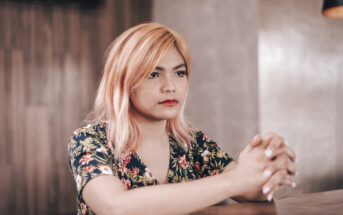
[301,79]
[267,65]
[222,37]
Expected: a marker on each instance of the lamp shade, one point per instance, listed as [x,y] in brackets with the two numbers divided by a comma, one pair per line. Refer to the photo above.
[333,8]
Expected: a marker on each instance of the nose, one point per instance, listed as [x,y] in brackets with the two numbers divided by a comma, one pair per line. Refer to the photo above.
[168,85]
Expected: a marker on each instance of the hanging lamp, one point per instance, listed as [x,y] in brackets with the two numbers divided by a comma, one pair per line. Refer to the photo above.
[333,8]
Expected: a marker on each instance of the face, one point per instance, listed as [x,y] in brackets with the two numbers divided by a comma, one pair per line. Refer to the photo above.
[162,95]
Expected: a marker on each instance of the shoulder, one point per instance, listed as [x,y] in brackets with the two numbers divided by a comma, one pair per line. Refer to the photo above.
[205,145]
[89,136]
[199,136]
[96,130]
[201,139]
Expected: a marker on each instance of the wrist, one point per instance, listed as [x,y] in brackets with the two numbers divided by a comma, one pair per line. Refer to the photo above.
[232,184]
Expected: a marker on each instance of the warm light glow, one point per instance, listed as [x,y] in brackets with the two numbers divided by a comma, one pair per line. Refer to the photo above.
[334,12]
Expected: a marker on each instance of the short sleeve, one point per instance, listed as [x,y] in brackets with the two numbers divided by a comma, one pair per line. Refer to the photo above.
[209,159]
[89,157]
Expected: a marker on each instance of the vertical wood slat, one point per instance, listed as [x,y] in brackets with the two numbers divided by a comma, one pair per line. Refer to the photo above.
[40,165]
[17,117]
[4,166]
[50,62]
[2,108]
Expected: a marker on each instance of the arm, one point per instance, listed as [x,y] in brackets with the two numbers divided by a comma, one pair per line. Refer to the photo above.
[107,195]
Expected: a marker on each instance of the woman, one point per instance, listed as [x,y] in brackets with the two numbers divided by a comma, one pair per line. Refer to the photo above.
[137,136]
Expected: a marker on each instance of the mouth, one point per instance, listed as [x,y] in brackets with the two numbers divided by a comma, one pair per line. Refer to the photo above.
[169,102]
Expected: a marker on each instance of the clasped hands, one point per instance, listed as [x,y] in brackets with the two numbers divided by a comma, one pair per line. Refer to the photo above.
[263,166]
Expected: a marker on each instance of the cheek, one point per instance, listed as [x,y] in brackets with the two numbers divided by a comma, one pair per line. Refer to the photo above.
[140,99]
[135,99]
[184,87]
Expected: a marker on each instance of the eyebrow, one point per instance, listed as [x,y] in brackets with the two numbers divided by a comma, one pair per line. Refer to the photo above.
[176,67]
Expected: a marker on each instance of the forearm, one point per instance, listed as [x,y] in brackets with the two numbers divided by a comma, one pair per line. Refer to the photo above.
[177,198]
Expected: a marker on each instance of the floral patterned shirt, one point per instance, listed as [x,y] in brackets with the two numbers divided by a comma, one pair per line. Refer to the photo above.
[90,156]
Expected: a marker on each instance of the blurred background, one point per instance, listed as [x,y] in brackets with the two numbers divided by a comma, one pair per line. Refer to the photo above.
[257,66]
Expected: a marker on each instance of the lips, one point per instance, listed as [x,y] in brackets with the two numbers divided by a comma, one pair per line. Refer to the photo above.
[169,102]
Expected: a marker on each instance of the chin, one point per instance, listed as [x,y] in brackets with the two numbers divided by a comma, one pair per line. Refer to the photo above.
[168,116]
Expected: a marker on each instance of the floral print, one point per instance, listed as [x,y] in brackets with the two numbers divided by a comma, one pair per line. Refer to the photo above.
[90,156]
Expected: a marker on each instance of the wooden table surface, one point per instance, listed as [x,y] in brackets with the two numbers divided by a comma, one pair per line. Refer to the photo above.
[323,203]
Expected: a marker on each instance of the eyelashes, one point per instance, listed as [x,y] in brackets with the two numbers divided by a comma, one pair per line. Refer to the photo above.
[180,74]
[154,75]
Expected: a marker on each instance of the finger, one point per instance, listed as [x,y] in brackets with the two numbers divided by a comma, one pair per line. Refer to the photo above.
[256,141]
[291,169]
[280,163]
[275,144]
[274,180]
[278,179]
[268,138]
[270,194]
[285,149]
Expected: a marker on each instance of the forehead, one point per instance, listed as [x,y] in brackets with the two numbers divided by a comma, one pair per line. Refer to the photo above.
[171,58]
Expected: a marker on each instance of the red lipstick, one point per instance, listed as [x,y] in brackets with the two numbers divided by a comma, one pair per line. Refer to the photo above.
[169,102]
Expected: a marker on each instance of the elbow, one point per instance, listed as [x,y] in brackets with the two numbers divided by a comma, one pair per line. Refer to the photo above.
[110,207]
[117,208]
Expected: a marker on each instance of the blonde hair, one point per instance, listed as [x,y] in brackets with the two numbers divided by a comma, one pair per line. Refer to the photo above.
[131,57]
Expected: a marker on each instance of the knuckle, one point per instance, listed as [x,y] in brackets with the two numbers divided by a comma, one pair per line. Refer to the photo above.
[284,156]
[276,142]
[282,161]
[293,153]
[281,142]
[294,170]
[269,135]
[271,167]
[264,165]
[281,175]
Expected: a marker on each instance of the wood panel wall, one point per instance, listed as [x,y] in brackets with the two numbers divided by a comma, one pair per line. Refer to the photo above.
[51,59]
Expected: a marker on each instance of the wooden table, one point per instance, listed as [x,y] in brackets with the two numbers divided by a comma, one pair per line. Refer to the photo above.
[324,203]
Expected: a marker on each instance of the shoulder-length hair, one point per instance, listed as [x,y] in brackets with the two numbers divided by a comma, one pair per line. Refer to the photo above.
[131,58]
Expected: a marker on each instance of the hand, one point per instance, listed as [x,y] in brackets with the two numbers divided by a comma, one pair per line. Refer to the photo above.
[276,168]
[248,172]
[281,167]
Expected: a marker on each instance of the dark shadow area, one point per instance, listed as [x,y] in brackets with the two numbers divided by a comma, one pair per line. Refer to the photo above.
[81,4]
[326,183]
[329,183]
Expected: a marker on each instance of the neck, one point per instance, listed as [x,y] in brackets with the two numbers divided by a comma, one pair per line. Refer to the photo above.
[152,131]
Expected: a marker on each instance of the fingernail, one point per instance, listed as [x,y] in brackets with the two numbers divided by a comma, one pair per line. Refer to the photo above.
[269,197]
[268,153]
[286,143]
[256,136]
[265,190]
[294,184]
[267,173]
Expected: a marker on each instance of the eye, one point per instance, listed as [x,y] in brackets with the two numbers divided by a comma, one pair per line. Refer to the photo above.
[181,73]
[154,75]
